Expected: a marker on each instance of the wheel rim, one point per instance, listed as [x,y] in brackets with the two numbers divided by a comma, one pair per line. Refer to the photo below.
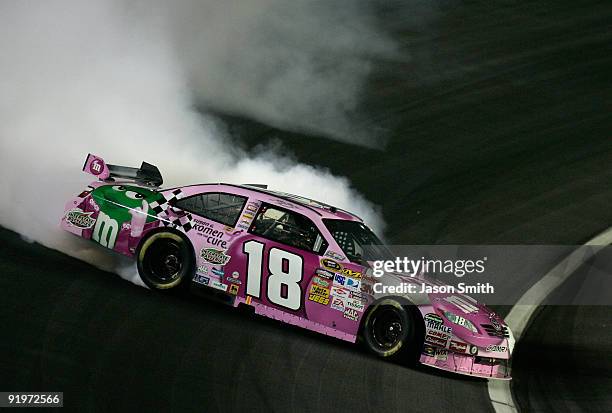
[387,328]
[165,261]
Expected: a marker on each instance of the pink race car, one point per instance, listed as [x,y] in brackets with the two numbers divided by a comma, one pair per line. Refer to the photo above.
[289,258]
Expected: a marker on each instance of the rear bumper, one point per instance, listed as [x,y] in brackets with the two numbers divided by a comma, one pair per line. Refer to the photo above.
[475,366]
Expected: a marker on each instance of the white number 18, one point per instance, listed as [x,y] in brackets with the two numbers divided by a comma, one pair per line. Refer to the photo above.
[280,275]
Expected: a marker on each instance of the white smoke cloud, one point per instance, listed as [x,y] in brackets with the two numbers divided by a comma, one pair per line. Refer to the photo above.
[101,77]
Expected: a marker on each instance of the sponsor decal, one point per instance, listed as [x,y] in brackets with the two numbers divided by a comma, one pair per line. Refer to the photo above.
[331,264]
[233,289]
[211,235]
[351,314]
[358,295]
[319,294]
[439,334]
[214,256]
[339,291]
[353,284]
[334,256]
[339,279]
[458,346]
[429,351]
[441,355]
[80,219]
[248,300]
[235,278]
[219,285]
[350,273]
[218,272]
[324,273]
[252,207]
[435,340]
[337,304]
[246,215]
[203,269]
[435,322]
[321,282]
[200,279]
[354,304]
[497,348]
[96,166]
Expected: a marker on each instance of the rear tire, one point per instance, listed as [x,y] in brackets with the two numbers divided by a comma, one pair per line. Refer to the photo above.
[390,329]
[165,261]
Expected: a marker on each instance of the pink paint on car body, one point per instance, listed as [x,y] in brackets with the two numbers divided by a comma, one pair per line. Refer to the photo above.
[280,254]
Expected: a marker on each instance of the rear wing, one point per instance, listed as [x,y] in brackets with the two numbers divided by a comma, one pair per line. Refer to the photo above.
[147,174]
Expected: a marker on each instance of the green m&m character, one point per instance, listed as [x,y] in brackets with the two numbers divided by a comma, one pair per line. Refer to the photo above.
[120,204]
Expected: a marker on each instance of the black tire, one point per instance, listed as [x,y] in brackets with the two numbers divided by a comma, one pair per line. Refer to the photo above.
[390,329]
[165,261]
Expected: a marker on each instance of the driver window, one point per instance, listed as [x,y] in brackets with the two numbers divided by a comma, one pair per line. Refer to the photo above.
[288,228]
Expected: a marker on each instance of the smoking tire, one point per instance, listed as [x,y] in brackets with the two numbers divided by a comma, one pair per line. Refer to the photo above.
[165,261]
[389,329]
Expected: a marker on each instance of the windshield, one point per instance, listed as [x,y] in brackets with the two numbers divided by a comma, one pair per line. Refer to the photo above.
[357,241]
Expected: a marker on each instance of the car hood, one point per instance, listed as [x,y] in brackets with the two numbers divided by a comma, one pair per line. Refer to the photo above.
[491,328]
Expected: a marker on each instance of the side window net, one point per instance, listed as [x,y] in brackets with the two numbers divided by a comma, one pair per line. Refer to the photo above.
[288,228]
[217,206]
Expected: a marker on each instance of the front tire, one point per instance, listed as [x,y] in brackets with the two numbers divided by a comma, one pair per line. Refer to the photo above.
[165,261]
[389,329]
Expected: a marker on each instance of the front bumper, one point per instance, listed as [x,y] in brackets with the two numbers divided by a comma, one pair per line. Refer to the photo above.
[475,366]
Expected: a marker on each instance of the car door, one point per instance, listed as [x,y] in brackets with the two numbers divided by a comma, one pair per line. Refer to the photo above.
[277,258]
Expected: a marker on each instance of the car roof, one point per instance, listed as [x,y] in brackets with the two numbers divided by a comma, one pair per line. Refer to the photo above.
[309,207]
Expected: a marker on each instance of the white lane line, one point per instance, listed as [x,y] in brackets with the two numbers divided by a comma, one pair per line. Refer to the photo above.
[519,316]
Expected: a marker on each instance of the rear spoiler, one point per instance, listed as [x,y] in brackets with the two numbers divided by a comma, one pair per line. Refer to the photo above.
[147,174]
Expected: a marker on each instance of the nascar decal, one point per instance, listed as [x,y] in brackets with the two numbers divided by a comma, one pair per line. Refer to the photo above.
[331,265]
[319,294]
[79,218]
[214,256]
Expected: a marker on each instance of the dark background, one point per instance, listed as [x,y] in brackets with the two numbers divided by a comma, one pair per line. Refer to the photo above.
[498,126]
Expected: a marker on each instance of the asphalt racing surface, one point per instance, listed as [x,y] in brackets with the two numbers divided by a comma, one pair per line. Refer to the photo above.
[497,116]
